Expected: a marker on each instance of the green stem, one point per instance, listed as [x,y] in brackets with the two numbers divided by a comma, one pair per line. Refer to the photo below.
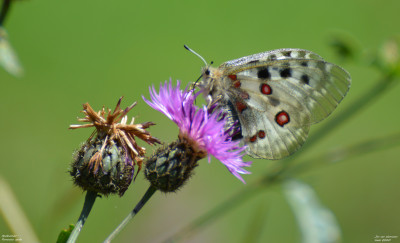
[270,178]
[4,10]
[345,153]
[87,207]
[211,215]
[132,214]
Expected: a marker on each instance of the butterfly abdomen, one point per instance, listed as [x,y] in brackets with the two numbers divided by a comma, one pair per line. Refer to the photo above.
[233,121]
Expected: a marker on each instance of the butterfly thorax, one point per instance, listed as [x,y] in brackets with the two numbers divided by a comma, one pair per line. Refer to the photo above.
[214,85]
[217,87]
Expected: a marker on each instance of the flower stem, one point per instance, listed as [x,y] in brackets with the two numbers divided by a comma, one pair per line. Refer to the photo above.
[4,10]
[345,153]
[213,214]
[87,206]
[132,214]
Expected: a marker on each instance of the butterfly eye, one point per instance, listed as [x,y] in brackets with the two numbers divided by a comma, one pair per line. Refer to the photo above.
[207,72]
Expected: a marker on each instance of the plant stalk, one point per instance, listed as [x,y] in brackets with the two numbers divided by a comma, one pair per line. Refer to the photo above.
[87,207]
[4,10]
[132,214]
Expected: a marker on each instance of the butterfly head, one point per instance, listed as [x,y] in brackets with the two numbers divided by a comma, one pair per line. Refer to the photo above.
[209,79]
[209,74]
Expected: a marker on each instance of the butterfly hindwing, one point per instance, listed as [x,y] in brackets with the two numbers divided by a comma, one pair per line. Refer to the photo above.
[266,97]
[269,134]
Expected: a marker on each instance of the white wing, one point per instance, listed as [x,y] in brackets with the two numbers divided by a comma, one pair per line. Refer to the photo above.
[278,94]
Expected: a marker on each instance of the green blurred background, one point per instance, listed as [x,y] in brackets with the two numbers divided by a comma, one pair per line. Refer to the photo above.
[96,51]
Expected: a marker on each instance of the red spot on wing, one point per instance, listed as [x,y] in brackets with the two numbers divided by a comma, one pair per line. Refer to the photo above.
[237,84]
[253,138]
[233,77]
[261,134]
[282,118]
[265,89]
[240,106]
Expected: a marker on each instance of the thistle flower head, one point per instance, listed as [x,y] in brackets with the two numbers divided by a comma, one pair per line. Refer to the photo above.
[203,131]
[113,149]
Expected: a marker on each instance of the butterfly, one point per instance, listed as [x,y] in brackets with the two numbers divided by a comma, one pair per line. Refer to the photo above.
[273,97]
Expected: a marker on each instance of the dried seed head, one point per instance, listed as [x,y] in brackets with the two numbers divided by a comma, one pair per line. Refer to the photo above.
[105,163]
[105,170]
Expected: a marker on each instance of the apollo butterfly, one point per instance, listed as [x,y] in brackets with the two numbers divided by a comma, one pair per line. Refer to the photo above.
[273,97]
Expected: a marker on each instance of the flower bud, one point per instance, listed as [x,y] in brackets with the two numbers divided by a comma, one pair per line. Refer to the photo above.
[346,47]
[170,166]
[391,54]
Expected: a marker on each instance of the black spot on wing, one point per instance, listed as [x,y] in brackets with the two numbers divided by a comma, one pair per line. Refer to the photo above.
[287,53]
[252,62]
[274,101]
[286,73]
[272,57]
[305,79]
[263,73]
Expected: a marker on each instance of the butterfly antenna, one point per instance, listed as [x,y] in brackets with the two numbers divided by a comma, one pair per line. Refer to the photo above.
[187,48]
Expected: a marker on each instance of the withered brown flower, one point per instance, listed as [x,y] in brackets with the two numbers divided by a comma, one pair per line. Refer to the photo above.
[111,147]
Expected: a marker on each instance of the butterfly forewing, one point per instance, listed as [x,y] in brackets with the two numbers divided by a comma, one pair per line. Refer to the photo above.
[318,84]
[279,54]
[275,96]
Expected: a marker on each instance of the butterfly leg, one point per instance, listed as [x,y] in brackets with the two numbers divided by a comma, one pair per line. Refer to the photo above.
[211,102]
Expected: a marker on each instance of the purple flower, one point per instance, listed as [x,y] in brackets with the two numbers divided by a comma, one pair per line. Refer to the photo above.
[204,130]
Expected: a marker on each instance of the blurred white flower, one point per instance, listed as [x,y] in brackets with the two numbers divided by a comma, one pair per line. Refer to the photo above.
[8,57]
[316,222]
